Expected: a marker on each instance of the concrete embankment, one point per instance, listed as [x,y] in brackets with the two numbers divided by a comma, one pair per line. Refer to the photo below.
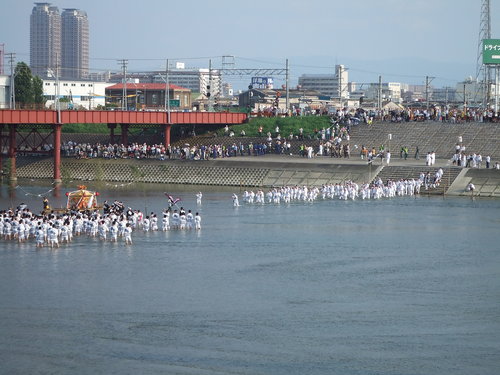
[265,171]
[251,171]
[486,182]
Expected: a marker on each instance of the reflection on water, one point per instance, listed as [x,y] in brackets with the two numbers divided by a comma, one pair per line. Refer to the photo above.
[401,286]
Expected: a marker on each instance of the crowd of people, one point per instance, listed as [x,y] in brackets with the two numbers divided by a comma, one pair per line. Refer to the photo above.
[452,115]
[347,190]
[116,223]
[472,160]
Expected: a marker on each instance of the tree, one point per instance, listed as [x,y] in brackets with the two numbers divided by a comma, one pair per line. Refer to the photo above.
[23,83]
[29,88]
[38,96]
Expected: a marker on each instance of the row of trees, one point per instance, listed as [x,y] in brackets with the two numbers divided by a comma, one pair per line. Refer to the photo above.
[28,88]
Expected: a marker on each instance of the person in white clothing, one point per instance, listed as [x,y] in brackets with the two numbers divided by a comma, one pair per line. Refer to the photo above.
[103,230]
[128,234]
[39,237]
[113,232]
[182,222]
[52,235]
[165,223]
[154,222]
[64,233]
[145,224]
[175,220]
[197,221]
[189,220]
[199,195]
[236,202]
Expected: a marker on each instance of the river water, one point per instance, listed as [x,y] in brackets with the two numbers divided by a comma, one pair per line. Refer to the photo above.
[400,286]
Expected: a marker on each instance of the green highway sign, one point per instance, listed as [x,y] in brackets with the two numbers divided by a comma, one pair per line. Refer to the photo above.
[491,51]
[175,103]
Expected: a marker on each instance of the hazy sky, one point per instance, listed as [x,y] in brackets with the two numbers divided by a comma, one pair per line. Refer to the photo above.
[403,40]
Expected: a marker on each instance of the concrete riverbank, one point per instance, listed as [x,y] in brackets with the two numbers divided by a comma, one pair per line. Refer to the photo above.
[263,171]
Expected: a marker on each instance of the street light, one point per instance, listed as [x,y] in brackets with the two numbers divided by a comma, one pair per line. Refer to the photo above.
[56,99]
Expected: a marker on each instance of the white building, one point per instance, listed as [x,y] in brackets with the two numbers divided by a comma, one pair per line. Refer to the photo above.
[197,80]
[81,94]
[334,85]
[4,91]
[389,91]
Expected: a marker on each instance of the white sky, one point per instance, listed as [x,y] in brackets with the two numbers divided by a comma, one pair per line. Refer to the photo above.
[404,40]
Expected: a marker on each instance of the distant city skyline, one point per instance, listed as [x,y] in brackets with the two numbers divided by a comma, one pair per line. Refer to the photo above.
[402,41]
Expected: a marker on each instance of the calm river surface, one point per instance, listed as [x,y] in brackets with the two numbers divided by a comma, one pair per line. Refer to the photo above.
[401,286]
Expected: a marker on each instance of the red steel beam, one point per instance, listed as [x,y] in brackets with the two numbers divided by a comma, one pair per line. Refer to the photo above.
[8,116]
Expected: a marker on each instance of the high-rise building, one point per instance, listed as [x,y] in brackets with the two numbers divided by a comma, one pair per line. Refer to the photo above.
[75,44]
[59,44]
[45,39]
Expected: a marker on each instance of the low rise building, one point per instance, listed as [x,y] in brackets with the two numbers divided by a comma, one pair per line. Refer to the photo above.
[149,96]
[75,94]
[4,91]
[388,91]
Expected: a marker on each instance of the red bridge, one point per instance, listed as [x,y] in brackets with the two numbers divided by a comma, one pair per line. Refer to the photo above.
[13,119]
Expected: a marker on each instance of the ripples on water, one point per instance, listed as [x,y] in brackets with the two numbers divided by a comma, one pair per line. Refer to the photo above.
[401,286]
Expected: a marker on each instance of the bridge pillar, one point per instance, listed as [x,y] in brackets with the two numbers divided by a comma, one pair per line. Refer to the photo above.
[12,152]
[112,128]
[57,153]
[124,134]
[167,128]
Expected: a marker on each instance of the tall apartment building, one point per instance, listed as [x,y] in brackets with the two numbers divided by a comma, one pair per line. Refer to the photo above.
[59,41]
[45,38]
[334,85]
[75,44]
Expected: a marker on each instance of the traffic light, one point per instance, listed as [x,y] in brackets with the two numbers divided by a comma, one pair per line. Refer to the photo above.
[208,91]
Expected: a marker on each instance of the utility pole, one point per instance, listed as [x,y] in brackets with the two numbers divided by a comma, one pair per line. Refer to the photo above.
[379,99]
[58,104]
[497,89]
[287,77]
[428,80]
[167,92]
[123,64]
[465,98]
[12,96]
[340,85]
[209,88]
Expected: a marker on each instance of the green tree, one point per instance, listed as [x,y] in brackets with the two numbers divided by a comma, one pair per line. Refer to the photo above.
[23,83]
[38,90]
